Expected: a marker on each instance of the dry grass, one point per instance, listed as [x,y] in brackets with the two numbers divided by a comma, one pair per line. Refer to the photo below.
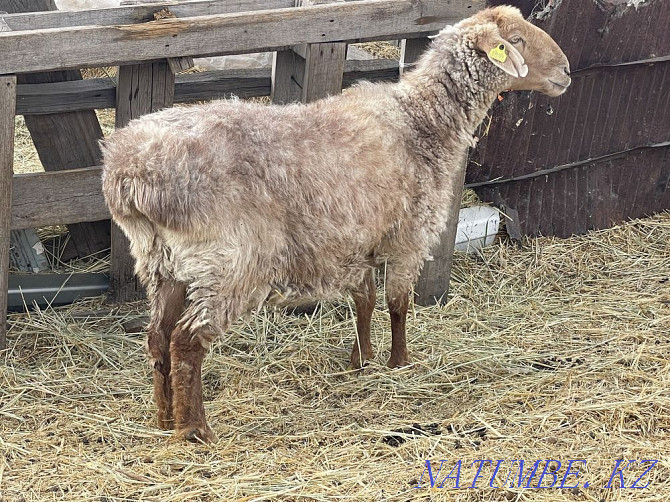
[382,50]
[26,159]
[556,349]
[553,349]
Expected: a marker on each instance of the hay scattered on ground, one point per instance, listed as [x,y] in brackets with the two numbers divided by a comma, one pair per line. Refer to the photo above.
[555,349]
[26,159]
[552,349]
[381,50]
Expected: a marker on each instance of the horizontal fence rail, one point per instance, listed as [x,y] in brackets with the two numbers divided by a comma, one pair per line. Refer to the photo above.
[135,14]
[57,197]
[58,97]
[76,47]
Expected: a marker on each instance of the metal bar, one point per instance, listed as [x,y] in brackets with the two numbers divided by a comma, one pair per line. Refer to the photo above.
[45,290]
[563,167]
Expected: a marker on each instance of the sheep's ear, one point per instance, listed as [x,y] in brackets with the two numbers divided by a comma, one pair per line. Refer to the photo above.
[503,54]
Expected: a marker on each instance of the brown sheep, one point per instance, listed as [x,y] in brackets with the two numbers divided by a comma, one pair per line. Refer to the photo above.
[230,205]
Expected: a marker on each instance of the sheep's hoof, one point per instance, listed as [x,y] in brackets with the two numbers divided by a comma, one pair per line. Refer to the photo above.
[356,366]
[399,361]
[197,435]
[358,361]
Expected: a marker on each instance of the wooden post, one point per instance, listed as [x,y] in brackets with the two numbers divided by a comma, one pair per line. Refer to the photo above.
[65,140]
[433,284]
[7,111]
[307,73]
[288,69]
[410,50]
[324,66]
[141,89]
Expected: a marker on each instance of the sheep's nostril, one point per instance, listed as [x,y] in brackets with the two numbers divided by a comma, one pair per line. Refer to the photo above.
[566,69]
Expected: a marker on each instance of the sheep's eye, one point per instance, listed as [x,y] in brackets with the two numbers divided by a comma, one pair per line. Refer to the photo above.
[516,39]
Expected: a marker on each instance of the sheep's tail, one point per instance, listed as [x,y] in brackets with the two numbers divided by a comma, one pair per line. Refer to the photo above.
[134,192]
[129,196]
[131,206]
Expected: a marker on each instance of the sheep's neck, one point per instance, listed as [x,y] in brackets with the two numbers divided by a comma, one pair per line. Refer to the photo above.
[444,104]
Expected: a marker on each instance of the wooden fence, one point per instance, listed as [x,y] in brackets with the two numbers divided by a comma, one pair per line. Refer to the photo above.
[43,50]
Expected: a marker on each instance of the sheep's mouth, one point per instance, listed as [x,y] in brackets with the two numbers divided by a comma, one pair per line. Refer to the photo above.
[560,86]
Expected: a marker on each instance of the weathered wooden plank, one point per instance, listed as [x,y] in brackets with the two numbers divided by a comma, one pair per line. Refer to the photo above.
[307,73]
[376,70]
[141,89]
[324,66]
[222,83]
[57,198]
[133,14]
[58,97]
[176,64]
[7,105]
[66,141]
[226,33]
[288,69]
[411,50]
[433,284]
[65,96]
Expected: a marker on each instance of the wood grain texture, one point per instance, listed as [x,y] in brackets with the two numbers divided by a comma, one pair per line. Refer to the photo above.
[226,33]
[65,140]
[288,69]
[131,14]
[7,106]
[58,97]
[307,73]
[433,284]
[141,89]
[57,198]
[411,50]
[324,66]
[176,64]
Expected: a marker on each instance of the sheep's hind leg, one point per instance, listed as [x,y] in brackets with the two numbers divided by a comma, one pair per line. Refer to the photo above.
[188,348]
[398,305]
[209,313]
[167,305]
[364,300]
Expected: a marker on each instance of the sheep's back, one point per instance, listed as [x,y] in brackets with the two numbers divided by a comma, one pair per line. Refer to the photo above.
[295,182]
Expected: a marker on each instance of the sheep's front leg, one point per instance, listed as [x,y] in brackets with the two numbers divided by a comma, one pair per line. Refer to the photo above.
[364,299]
[188,348]
[167,305]
[398,305]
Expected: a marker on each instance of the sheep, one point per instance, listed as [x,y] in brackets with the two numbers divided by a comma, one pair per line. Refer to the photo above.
[231,205]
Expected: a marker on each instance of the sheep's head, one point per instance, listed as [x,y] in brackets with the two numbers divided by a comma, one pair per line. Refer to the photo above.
[532,60]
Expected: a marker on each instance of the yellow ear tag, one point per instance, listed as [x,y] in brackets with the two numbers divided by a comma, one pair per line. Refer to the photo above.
[498,53]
